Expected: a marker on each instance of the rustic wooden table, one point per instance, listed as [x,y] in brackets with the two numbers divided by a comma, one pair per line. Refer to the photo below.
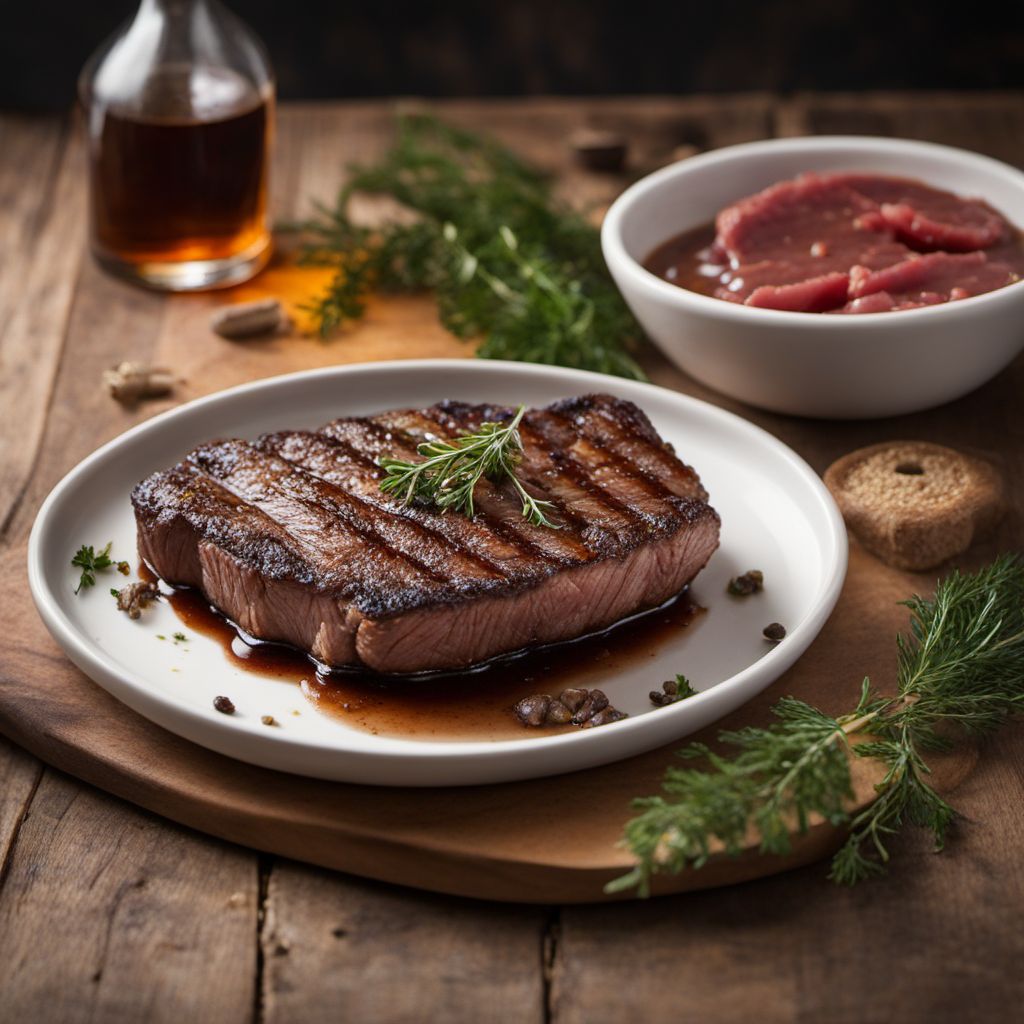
[108,913]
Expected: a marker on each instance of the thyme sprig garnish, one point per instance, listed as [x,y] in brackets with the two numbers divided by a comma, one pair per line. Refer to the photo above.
[92,562]
[961,665]
[506,261]
[450,471]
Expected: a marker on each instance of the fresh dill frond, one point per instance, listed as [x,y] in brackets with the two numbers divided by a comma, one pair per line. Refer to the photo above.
[783,773]
[450,470]
[507,262]
[92,562]
[962,664]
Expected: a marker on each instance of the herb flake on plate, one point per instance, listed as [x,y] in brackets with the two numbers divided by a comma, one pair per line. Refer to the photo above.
[91,562]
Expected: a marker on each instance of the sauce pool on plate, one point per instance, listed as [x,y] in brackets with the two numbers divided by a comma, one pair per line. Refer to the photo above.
[474,704]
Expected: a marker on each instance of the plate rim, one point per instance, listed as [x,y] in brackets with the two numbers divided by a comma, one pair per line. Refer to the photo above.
[93,660]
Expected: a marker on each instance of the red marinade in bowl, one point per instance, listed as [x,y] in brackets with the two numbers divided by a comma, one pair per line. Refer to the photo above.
[846,243]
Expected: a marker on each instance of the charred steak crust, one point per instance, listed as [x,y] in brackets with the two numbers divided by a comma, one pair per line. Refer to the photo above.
[292,538]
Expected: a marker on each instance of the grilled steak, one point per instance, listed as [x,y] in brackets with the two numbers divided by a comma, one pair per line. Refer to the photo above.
[291,537]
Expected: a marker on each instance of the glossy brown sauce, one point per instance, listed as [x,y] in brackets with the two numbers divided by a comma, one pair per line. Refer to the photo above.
[686,260]
[690,261]
[474,704]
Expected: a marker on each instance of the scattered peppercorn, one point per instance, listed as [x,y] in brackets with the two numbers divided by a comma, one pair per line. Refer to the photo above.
[136,596]
[268,720]
[672,691]
[573,698]
[533,710]
[604,717]
[225,705]
[595,701]
[774,632]
[558,714]
[749,583]
[585,708]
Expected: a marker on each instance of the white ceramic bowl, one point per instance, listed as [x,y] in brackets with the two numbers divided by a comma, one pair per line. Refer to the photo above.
[871,364]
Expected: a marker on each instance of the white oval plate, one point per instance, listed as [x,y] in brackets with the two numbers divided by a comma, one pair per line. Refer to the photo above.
[776,516]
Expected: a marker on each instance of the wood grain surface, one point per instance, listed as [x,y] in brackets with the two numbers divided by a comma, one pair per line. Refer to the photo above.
[215,932]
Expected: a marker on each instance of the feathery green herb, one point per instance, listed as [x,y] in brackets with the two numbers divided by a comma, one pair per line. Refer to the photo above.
[961,665]
[505,259]
[451,470]
[92,562]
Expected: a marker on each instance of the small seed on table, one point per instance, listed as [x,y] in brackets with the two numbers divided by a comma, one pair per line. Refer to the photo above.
[599,150]
[224,705]
[248,319]
[774,632]
[129,383]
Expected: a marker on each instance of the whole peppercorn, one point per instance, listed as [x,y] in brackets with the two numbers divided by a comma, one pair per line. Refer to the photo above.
[533,710]
[750,582]
[672,691]
[224,705]
[774,632]
[558,714]
[573,698]
[585,708]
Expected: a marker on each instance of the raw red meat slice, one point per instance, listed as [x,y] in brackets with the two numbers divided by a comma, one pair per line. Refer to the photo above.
[815,295]
[927,218]
[790,217]
[883,302]
[939,273]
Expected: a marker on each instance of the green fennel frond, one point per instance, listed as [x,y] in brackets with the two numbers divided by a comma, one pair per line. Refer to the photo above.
[505,260]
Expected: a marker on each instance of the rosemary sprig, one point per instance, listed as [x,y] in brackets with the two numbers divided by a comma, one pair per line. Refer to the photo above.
[961,665]
[92,562]
[451,470]
[504,259]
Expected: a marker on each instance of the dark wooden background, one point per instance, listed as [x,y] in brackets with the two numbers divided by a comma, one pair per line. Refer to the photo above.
[325,49]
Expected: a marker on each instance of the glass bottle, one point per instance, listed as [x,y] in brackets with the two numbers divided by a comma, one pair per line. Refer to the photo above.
[179,107]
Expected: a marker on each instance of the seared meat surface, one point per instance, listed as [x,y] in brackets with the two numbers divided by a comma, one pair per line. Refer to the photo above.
[291,537]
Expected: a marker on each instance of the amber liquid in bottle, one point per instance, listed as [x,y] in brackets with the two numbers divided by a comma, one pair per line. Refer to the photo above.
[170,191]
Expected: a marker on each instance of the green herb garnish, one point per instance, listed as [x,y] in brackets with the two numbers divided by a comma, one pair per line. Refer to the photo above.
[91,562]
[683,688]
[448,476]
[962,665]
[505,260]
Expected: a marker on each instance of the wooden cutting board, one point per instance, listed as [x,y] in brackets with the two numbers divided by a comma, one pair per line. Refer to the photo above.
[552,840]
[548,840]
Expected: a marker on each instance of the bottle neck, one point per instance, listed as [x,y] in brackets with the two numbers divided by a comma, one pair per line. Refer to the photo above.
[177,58]
[180,29]
[169,8]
